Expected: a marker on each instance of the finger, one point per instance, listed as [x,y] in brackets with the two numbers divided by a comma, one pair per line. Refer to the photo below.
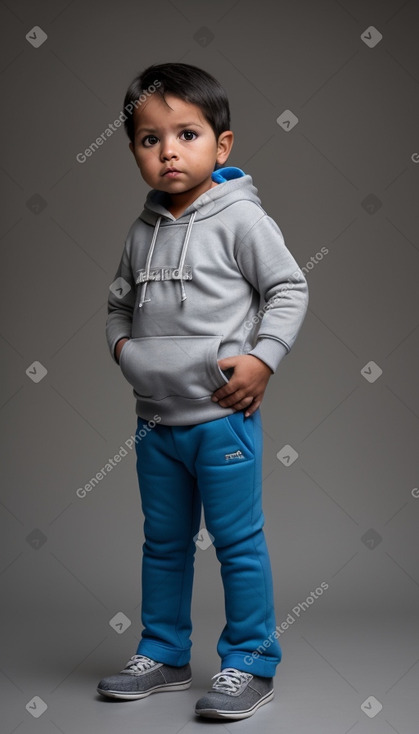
[234,399]
[227,363]
[222,392]
[252,408]
[226,391]
[233,402]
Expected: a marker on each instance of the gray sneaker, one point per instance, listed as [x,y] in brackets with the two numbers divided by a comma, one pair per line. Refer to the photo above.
[143,676]
[235,695]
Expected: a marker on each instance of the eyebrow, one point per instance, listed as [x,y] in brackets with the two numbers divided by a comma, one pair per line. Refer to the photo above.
[180,126]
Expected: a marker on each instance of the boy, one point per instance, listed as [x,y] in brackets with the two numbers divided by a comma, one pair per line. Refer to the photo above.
[206,302]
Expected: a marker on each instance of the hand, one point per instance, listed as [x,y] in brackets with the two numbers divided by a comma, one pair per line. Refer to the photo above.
[119,344]
[247,385]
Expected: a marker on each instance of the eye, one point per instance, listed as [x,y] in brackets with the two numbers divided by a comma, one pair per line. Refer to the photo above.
[188,135]
[149,140]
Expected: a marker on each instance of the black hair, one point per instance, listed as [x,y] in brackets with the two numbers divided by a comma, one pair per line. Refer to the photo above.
[185,81]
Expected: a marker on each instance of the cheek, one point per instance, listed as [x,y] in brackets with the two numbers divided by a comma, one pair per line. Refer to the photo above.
[144,162]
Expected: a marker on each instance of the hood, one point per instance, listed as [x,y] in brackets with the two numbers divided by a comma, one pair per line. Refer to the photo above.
[233,185]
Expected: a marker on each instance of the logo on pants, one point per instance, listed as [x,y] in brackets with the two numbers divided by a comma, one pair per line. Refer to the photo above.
[236,455]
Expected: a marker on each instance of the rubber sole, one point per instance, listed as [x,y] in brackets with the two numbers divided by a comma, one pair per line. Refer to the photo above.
[126,696]
[244,714]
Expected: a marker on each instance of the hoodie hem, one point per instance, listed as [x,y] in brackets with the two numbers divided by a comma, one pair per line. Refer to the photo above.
[181,411]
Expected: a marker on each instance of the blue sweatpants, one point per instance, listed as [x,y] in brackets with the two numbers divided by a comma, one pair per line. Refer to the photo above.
[217,464]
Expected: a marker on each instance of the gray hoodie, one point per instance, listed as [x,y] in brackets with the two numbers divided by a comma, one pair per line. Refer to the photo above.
[216,282]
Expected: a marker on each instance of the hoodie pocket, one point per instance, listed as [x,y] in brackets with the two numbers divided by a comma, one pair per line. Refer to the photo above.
[162,366]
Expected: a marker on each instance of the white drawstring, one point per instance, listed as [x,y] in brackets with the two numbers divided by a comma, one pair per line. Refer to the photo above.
[148,263]
[183,254]
[181,261]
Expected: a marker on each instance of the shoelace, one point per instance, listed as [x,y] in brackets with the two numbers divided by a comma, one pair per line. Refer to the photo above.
[230,680]
[139,663]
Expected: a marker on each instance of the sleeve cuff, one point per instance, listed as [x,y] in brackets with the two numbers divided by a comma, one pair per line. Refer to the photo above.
[270,351]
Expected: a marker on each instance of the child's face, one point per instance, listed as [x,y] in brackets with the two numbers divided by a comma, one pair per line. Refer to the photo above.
[177,137]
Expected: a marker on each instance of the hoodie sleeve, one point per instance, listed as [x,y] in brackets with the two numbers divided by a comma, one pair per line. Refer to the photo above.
[268,265]
[121,303]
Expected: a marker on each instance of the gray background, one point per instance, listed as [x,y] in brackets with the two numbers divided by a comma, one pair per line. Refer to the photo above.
[345,512]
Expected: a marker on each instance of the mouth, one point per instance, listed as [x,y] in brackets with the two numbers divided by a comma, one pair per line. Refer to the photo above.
[171,172]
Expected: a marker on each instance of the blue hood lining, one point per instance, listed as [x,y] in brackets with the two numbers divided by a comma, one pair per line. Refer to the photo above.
[221,175]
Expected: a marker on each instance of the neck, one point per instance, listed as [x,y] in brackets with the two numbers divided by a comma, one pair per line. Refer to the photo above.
[180,202]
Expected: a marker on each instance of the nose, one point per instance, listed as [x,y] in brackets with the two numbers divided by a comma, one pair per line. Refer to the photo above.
[168,149]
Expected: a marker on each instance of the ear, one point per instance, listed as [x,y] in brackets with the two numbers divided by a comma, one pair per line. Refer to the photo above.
[224,145]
